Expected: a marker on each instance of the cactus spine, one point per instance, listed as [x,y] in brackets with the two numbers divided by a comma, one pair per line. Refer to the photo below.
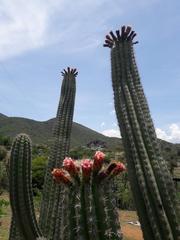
[51,208]
[24,225]
[151,184]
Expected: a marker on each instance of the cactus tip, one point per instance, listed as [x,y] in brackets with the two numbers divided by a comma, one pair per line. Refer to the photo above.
[126,34]
[68,71]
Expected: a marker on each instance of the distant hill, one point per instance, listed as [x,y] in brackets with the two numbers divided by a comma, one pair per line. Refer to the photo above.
[41,132]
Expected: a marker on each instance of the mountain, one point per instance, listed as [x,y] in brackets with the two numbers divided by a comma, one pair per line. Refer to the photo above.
[41,132]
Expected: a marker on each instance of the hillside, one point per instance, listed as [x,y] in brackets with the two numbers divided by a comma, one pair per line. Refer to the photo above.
[41,132]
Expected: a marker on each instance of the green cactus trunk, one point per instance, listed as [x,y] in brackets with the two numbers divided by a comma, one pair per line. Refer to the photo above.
[24,225]
[51,212]
[151,184]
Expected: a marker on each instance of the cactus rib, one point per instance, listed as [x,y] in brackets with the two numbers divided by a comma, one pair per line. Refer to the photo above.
[153,187]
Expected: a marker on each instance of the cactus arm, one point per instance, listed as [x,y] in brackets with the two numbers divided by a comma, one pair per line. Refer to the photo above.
[14,232]
[65,221]
[52,192]
[132,105]
[79,229]
[162,178]
[160,169]
[59,221]
[112,214]
[152,191]
[21,190]
[84,221]
[143,155]
[90,212]
[132,166]
[72,214]
[135,172]
[100,209]
[106,213]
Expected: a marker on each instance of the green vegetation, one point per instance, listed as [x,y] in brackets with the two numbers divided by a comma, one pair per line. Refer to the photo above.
[3,153]
[5,141]
[123,193]
[38,172]
[3,204]
[80,153]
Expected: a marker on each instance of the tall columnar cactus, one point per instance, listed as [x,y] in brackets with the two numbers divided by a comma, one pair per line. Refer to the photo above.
[89,211]
[53,195]
[151,184]
[24,225]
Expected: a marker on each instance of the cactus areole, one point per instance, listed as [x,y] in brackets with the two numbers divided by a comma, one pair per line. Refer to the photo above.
[151,183]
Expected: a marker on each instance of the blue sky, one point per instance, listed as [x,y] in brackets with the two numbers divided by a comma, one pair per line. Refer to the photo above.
[39,38]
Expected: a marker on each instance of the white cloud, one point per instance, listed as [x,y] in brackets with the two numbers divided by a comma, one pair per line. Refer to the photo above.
[27,25]
[172,134]
[103,124]
[111,133]
[23,25]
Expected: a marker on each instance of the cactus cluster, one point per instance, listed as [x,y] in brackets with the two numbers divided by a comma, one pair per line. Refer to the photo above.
[77,201]
[91,212]
[151,183]
[49,215]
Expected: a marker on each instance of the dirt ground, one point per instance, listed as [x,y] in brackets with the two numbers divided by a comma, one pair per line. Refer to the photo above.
[130,232]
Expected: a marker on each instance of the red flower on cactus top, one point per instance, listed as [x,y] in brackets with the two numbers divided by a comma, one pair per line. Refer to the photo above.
[60,176]
[98,161]
[86,166]
[73,173]
[70,166]
[120,167]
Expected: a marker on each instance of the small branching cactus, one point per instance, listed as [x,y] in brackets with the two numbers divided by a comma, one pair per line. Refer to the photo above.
[151,183]
[89,210]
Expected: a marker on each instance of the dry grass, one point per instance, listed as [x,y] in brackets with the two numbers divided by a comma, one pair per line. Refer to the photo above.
[5,219]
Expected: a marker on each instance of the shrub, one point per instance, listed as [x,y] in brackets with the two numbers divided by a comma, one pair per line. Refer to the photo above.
[38,171]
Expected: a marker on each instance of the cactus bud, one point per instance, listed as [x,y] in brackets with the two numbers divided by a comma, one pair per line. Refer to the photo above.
[120,167]
[70,166]
[86,168]
[60,176]
[98,161]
